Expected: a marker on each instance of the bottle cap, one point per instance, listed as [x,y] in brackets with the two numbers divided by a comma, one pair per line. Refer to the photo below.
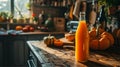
[82,13]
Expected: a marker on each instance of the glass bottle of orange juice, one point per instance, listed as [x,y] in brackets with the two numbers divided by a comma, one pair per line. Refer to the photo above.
[82,40]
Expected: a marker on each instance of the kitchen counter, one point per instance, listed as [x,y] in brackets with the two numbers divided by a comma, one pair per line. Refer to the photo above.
[13,48]
[65,57]
[37,32]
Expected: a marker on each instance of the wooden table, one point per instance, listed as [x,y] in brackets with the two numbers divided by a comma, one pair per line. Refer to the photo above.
[63,57]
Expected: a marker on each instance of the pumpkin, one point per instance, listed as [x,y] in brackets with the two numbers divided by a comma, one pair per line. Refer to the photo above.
[31,29]
[25,29]
[18,28]
[58,43]
[49,40]
[100,39]
[70,36]
[94,44]
[109,37]
[92,34]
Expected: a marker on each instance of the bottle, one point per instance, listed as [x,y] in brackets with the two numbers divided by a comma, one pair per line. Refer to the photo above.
[82,40]
[102,20]
[41,18]
[92,15]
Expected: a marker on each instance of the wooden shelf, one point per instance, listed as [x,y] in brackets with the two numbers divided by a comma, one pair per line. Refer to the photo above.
[49,10]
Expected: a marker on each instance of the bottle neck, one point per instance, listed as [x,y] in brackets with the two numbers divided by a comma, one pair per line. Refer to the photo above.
[93,5]
[82,16]
[93,2]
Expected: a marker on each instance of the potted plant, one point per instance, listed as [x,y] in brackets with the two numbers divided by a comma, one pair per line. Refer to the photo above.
[110,5]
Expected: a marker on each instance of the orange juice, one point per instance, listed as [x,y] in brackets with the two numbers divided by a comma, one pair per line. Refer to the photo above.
[82,42]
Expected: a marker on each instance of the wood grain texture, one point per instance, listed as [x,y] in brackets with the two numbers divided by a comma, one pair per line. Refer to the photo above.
[62,57]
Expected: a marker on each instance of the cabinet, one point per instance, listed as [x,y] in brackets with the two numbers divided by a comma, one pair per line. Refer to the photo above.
[13,51]
[1,53]
[18,51]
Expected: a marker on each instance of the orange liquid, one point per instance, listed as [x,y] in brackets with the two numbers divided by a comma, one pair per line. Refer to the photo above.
[81,42]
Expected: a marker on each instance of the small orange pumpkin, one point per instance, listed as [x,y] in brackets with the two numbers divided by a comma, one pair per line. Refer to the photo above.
[49,40]
[108,36]
[19,28]
[58,43]
[92,34]
[101,40]
[104,43]
[94,44]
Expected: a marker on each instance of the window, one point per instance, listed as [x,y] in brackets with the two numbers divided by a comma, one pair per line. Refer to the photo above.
[4,5]
[19,7]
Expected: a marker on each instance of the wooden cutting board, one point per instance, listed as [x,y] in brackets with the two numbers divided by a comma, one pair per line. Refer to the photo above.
[66,42]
